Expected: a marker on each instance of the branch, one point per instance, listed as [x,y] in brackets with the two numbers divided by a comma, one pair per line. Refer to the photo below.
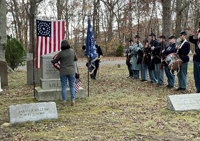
[195,4]
[183,7]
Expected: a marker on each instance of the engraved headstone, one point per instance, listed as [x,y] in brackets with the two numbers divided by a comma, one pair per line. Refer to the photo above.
[50,86]
[37,71]
[0,85]
[184,102]
[32,112]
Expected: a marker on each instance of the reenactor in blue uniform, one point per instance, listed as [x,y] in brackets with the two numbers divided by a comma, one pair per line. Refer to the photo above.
[134,51]
[157,60]
[183,50]
[144,64]
[128,57]
[196,61]
[99,55]
[168,50]
[150,60]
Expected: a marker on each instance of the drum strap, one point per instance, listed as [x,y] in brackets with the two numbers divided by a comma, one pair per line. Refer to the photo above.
[182,45]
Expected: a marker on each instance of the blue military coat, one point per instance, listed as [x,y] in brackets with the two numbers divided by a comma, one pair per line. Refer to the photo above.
[134,51]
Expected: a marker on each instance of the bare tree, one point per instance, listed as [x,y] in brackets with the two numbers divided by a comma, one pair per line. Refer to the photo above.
[166,18]
[3,37]
[31,12]
[180,6]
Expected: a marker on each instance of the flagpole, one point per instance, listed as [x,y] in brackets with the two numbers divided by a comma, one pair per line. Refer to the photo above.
[33,46]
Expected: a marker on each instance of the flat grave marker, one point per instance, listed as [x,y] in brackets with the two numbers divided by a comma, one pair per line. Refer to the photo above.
[32,112]
[184,102]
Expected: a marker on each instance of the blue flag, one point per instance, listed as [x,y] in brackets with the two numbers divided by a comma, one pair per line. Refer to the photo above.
[90,49]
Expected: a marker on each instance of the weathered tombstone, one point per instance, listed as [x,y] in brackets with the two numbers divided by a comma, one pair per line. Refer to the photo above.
[50,86]
[184,102]
[0,85]
[32,112]
[29,68]
[3,41]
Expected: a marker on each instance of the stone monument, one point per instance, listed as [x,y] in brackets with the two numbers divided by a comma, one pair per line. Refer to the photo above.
[184,102]
[50,86]
[32,112]
[3,41]
[29,67]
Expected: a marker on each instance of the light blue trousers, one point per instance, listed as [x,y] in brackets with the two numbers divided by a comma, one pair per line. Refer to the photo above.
[182,76]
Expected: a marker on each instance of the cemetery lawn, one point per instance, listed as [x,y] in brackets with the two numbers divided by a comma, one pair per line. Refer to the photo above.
[117,109]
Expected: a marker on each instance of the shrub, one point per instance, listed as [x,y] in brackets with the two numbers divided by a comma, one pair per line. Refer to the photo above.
[14,53]
[119,51]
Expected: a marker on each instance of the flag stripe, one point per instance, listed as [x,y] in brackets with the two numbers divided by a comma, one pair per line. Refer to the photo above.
[63,31]
[54,36]
[58,32]
[37,52]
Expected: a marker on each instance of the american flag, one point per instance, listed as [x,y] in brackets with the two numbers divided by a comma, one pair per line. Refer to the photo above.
[49,36]
[77,84]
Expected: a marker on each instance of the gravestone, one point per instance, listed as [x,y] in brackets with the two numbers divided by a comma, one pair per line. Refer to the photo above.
[50,86]
[0,85]
[29,68]
[184,102]
[32,112]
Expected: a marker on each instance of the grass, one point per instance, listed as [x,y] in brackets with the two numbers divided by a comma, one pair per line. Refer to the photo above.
[117,109]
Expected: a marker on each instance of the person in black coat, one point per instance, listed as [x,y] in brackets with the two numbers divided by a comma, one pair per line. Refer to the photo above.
[196,61]
[128,59]
[168,50]
[183,50]
[157,53]
[150,60]
[99,55]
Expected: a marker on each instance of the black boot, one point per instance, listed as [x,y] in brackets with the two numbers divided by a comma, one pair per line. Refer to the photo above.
[131,74]
[95,73]
[91,76]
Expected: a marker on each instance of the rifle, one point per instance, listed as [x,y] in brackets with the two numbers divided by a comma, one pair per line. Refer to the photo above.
[163,55]
[128,49]
[124,44]
[138,57]
[151,63]
[144,49]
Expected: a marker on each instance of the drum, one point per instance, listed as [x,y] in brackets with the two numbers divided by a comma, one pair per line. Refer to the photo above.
[173,61]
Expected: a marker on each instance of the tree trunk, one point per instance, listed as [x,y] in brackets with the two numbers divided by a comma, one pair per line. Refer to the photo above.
[83,23]
[166,18]
[18,21]
[59,9]
[67,20]
[179,9]
[3,37]
[31,24]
